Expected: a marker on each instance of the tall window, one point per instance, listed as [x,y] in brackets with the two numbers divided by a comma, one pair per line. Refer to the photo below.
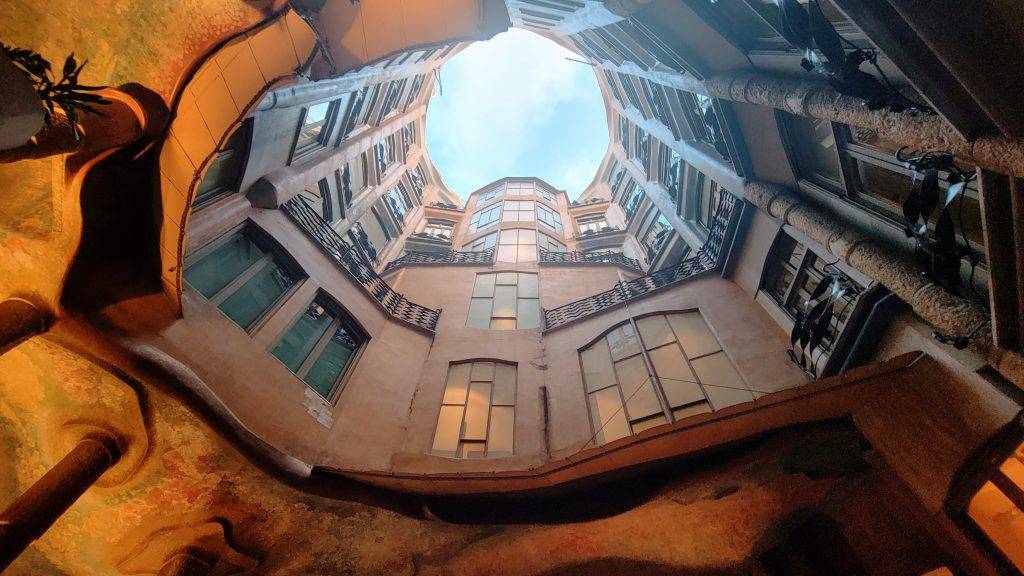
[477,417]
[391,99]
[656,237]
[482,243]
[224,174]
[243,276]
[549,244]
[505,301]
[549,217]
[707,195]
[792,273]
[321,199]
[691,375]
[997,509]
[545,194]
[320,345]
[631,199]
[417,181]
[315,126]
[414,91]
[398,203]
[484,218]
[518,211]
[642,148]
[517,245]
[624,133]
[385,154]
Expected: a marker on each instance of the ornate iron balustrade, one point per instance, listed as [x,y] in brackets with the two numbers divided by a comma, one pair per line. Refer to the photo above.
[349,260]
[706,259]
[442,258]
[445,206]
[603,257]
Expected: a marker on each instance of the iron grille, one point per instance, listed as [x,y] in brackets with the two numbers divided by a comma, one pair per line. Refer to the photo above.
[603,257]
[445,258]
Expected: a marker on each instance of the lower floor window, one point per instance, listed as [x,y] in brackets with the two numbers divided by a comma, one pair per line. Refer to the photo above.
[656,370]
[319,345]
[243,275]
[477,417]
[997,509]
[505,301]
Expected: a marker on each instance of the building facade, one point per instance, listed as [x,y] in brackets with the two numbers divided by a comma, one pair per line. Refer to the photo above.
[739,350]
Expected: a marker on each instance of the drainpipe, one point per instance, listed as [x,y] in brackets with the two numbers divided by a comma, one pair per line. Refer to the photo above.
[19,321]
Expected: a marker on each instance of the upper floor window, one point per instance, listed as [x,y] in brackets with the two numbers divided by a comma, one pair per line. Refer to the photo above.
[546,195]
[549,244]
[691,375]
[477,417]
[417,181]
[482,243]
[630,90]
[439,228]
[399,203]
[631,199]
[224,174]
[244,275]
[355,112]
[549,217]
[319,345]
[670,169]
[315,127]
[322,200]
[414,90]
[517,245]
[656,237]
[408,135]
[706,123]
[505,301]
[490,194]
[391,99]
[385,154]
[624,133]
[642,147]
[591,223]
[702,199]
[519,188]
[610,81]
[518,211]
[484,218]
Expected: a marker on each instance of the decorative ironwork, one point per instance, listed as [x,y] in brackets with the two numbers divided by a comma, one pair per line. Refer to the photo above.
[604,231]
[706,259]
[435,238]
[445,206]
[603,257]
[442,258]
[349,260]
[814,322]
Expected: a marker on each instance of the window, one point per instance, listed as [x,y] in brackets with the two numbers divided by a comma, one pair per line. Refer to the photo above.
[546,195]
[224,175]
[997,509]
[631,199]
[398,202]
[518,211]
[656,237]
[477,417]
[482,243]
[439,228]
[243,276]
[385,154]
[642,148]
[320,345]
[505,301]
[707,195]
[792,273]
[484,218]
[391,99]
[610,81]
[519,188]
[417,181]
[692,375]
[408,135]
[414,91]
[315,126]
[591,224]
[320,200]
[624,133]
[490,195]
[517,245]
[549,217]
[355,113]
[549,244]
[630,90]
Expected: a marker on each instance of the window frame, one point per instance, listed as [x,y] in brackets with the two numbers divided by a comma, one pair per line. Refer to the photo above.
[490,410]
[222,190]
[302,150]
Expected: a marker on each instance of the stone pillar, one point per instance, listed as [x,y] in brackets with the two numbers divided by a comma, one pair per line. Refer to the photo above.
[19,320]
[28,517]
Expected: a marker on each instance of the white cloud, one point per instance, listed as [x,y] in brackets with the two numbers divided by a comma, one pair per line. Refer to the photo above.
[495,97]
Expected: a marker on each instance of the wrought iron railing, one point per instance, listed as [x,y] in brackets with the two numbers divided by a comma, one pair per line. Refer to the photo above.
[442,258]
[445,206]
[705,260]
[603,257]
[349,260]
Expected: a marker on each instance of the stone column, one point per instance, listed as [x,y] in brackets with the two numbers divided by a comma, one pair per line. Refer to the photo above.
[19,320]
[28,517]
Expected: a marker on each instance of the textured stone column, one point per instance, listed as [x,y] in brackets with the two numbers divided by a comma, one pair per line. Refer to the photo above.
[19,320]
[816,99]
[28,517]
[949,313]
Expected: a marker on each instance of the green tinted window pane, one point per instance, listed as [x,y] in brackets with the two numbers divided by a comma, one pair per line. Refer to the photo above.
[331,363]
[218,268]
[300,339]
[257,295]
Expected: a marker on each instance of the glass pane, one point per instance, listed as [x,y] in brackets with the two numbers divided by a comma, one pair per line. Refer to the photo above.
[527,236]
[484,286]
[449,424]
[655,331]
[499,440]
[479,313]
[330,365]
[507,278]
[815,146]
[528,286]
[508,237]
[504,385]
[504,302]
[622,342]
[648,423]
[300,339]
[676,379]
[472,450]
[506,253]
[528,313]
[503,324]
[607,416]
[687,411]
[883,188]
[1000,520]
[257,295]
[218,268]
[637,388]
[477,407]
[458,384]
[723,384]
[482,372]
[597,367]
[526,253]
[694,334]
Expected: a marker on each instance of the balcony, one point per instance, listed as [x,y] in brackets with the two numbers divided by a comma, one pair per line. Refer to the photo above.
[445,258]
[608,257]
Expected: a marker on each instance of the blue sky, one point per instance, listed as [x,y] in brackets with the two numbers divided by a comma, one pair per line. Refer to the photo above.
[514,106]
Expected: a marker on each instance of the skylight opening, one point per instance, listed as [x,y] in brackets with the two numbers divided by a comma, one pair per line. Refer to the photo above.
[516,105]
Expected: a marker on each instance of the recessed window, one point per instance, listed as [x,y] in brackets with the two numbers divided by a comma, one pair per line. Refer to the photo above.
[484,218]
[224,175]
[703,196]
[482,243]
[490,194]
[385,155]
[549,218]
[591,224]
[439,228]
[505,301]
[315,126]
[624,133]
[656,237]
[517,245]
[691,375]
[320,345]
[631,199]
[518,211]
[398,202]
[243,276]
[477,416]
[549,244]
